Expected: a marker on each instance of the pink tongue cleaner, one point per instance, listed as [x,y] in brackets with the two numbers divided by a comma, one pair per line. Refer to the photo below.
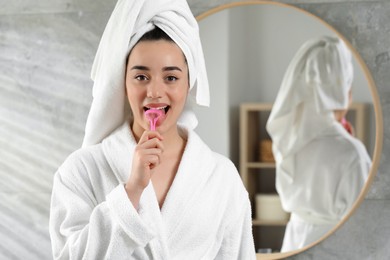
[153,115]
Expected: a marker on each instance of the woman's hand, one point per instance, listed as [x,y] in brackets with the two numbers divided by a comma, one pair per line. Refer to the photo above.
[348,126]
[147,156]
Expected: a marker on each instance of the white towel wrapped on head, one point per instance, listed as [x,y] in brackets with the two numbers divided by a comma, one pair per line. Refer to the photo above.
[316,83]
[129,21]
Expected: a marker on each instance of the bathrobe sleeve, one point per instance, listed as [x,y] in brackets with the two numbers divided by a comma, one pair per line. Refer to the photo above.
[354,176]
[238,239]
[82,228]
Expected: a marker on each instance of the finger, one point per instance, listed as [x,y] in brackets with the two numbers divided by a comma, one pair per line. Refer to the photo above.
[147,135]
[145,154]
[152,161]
[152,143]
[152,151]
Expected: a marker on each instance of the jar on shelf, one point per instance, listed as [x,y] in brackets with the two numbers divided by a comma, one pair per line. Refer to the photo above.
[269,208]
[265,151]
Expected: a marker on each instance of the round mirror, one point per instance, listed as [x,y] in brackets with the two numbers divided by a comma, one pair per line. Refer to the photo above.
[247,48]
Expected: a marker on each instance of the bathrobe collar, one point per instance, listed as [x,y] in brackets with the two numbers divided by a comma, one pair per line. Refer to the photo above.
[195,168]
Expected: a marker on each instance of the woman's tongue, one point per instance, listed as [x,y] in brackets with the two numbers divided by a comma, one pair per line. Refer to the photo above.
[156,114]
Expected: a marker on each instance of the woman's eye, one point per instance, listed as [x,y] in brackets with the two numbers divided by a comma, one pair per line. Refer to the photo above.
[141,77]
[172,78]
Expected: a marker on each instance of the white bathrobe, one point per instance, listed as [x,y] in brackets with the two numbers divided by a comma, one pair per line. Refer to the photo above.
[206,214]
[330,174]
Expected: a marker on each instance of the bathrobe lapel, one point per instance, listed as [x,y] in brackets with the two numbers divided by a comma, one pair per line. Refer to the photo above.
[195,168]
[149,211]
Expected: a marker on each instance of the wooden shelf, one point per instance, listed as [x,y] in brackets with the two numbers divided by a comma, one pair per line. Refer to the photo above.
[259,222]
[261,165]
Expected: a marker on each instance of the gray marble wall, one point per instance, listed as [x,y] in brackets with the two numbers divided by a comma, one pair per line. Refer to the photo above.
[46,51]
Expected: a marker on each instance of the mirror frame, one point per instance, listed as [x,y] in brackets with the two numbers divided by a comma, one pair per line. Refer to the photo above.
[377,111]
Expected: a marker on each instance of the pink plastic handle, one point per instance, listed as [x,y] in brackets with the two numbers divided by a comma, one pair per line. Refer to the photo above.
[153,115]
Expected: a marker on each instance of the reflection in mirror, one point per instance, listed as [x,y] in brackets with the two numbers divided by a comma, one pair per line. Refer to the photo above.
[313,144]
[247,50]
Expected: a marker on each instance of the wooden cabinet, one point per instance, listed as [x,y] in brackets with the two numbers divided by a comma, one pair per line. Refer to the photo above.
[259,176]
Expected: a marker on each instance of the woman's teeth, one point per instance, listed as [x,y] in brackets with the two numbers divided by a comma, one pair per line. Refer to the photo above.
[165,108]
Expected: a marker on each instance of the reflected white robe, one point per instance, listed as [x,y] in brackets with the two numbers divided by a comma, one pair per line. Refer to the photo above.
[329,175]
[206,213]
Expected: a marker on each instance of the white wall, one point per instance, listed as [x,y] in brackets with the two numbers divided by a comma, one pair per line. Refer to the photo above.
[213,121]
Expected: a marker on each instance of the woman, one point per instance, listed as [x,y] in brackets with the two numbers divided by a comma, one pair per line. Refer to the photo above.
[136,193]
[320,167]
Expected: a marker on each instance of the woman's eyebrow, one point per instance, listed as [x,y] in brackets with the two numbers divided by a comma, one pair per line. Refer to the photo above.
[169,68]
[139,67]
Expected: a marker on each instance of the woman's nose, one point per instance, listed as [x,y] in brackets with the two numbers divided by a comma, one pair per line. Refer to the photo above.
[154,90]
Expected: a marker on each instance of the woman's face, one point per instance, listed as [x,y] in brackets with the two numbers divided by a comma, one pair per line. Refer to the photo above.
[156,77]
